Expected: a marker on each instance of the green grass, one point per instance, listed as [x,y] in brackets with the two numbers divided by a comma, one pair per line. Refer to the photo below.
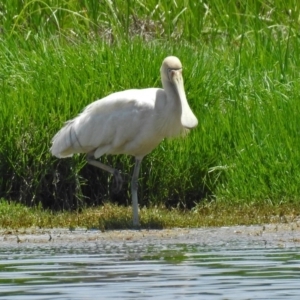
[241,68]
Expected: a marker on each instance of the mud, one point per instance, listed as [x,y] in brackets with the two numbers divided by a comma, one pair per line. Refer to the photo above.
[269,235]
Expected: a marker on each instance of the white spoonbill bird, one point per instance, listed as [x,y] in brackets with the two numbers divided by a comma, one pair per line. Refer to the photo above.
[130,122]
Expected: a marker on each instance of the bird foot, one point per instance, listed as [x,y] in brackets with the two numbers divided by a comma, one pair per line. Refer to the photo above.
[118,182]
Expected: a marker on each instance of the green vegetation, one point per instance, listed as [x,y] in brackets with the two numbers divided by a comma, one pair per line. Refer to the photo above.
[111,216]
[241,67]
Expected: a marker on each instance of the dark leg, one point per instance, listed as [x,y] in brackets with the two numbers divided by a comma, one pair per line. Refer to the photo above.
[119,181]
[134,190]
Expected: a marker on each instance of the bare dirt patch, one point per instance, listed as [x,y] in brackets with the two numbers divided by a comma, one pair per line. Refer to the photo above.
[269,235]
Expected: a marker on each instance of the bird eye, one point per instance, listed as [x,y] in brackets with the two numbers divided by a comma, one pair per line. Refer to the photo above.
[171,72]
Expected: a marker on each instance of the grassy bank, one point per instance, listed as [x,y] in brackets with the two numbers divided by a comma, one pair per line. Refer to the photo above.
[241,69]
[110,216]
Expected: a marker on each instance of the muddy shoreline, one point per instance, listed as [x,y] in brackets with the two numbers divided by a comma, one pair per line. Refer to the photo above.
[268,235]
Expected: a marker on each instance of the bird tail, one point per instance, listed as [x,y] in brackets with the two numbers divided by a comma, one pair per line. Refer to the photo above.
[63,142]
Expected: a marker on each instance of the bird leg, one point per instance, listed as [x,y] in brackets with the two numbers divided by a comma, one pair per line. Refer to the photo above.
[134,190]
[118,178]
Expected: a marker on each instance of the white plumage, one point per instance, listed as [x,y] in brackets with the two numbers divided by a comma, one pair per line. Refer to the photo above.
[130,122]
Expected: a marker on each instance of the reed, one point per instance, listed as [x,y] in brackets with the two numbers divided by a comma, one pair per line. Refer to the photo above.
[241,62]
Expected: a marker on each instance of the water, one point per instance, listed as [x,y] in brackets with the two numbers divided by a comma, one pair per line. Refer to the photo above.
[162,268]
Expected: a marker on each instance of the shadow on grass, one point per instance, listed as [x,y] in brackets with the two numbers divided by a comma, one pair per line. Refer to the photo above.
[125,223]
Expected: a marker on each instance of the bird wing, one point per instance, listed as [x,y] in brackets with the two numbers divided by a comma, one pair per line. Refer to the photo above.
[106,125]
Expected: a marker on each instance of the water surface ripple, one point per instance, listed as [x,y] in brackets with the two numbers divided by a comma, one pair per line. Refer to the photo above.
[139,270]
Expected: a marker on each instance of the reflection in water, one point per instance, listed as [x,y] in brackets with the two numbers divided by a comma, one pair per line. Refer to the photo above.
[134,271]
